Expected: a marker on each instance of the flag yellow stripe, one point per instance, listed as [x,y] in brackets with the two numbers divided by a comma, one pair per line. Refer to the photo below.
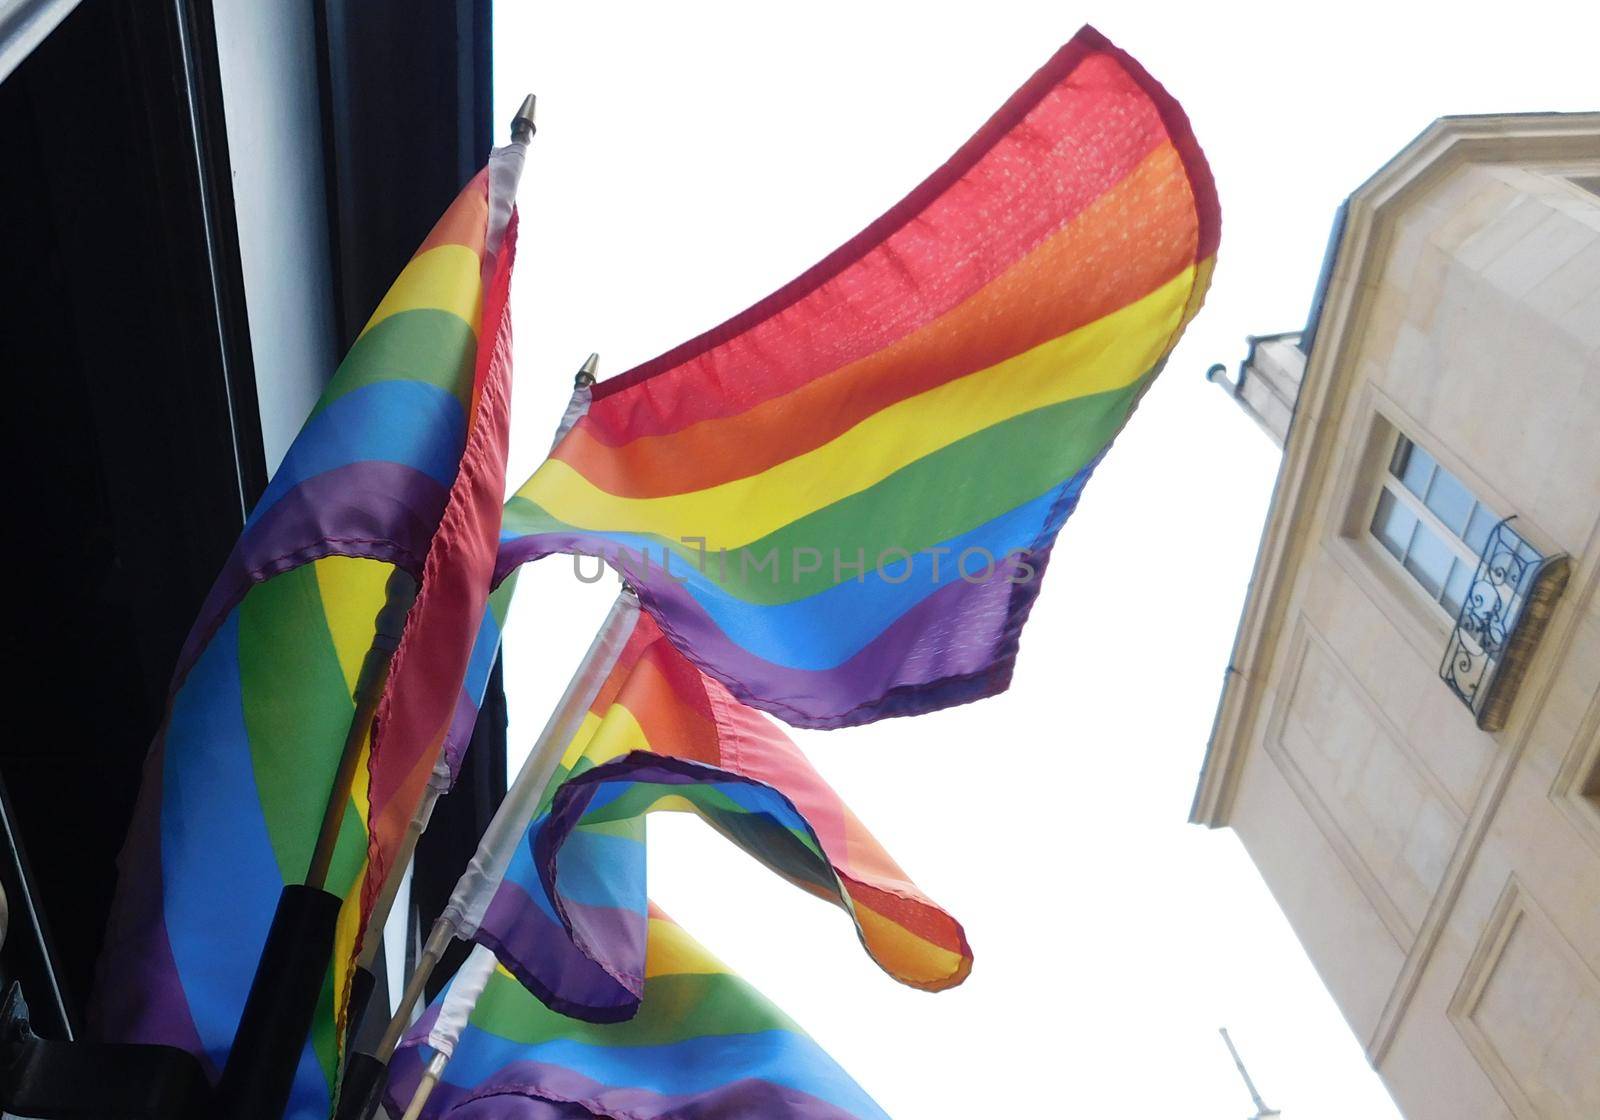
[1108,354]
[352,593]
[671,952]
[911,958]
[600,740]
[671,803]
[445,278]
[580,740]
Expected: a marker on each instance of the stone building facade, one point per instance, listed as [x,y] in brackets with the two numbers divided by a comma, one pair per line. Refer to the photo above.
[1408,739]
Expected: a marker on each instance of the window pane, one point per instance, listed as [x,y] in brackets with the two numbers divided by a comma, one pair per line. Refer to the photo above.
[1397,462]
[1393,524]
[1479,526]
[1450,501]
[1429,560]
[1412,466]
[1457,586]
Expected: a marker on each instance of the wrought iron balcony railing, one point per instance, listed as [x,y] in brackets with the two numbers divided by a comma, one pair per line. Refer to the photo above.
[1505,613]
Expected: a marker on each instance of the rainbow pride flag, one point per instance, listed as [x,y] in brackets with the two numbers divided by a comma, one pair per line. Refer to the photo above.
[569,918]
[840,502]
[704,1044]
[262,699]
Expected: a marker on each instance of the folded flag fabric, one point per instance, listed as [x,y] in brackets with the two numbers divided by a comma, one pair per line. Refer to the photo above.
[840,502]
[262,700]
[445,630]
[705,1045]
[569,917]
[480,665]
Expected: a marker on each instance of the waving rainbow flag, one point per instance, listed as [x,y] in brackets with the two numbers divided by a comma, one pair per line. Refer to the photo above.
[569,917]
[262,699]
[839,503]
[704,1044]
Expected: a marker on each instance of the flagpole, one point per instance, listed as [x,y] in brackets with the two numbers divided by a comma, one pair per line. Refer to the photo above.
[475,888]
[425,1087]
[1262,1111]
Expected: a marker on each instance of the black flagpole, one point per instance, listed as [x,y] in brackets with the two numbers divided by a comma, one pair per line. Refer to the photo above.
[259,1074]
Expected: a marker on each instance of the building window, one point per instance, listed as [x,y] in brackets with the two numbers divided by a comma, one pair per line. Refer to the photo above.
[1493,590]
[1432,524]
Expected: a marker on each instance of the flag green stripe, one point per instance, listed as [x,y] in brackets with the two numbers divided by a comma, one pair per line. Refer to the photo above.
[918,507]
[674,1008]
[286,650]
[428,345]
[296,710]
[500,600]
[754,831]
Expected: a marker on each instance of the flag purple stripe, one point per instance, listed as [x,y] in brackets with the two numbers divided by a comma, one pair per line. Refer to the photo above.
[368,510]
[749,1097]
[512,1105]
[136,937]
[518,929]
[460,733]
[937,642]
[936,655]
[933,642]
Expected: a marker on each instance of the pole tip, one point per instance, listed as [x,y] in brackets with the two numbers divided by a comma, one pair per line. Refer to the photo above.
[524,125]
[586,373]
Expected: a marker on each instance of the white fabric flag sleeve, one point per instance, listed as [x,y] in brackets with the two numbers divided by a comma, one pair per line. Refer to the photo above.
[459,1000]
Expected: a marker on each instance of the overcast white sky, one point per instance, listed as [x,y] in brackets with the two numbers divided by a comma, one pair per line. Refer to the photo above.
[692,157]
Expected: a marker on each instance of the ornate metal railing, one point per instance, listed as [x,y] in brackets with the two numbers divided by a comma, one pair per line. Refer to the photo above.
[1502,618]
